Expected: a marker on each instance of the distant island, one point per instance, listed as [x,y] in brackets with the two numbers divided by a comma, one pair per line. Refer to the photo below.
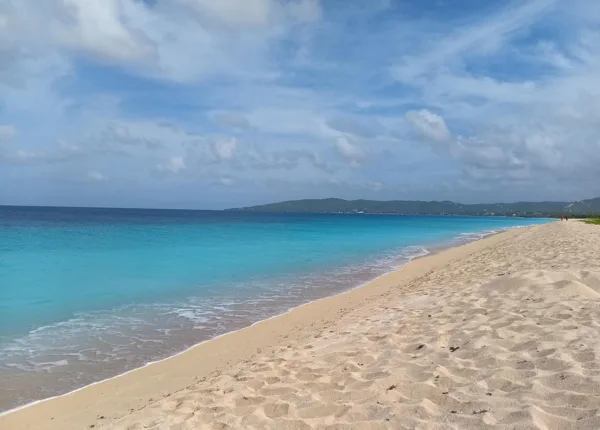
[582,208]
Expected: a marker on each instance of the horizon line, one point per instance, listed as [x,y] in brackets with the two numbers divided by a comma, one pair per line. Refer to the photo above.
[279,202]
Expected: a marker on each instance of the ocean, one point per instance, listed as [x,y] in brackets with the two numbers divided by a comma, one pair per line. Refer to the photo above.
[87,294]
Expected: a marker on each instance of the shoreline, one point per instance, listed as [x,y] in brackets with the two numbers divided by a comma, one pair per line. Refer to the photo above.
[425,251]
[434,249]
[302,314]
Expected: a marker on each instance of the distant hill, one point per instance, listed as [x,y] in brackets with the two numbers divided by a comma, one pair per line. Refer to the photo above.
[407,207]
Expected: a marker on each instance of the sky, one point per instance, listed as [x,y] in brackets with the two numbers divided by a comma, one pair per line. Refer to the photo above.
[212,104]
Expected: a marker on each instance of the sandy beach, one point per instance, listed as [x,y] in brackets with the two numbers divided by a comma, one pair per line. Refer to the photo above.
[503,332]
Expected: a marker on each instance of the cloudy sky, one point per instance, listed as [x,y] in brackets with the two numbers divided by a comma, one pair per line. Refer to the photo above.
[220,103]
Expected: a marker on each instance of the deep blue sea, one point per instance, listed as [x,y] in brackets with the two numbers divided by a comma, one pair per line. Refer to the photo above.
[86,294]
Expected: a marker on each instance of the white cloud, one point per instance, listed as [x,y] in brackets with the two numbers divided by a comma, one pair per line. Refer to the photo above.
[532,125]
[232,120]
[348,150]
[256,13]
[96,176]
[224,149]
[358,126]
[483,37]
[226,182]
[7,132]
[104,29]
[493,157]
[374,185]
[291,112]
[173,165]
[287,160]
[305,10]
[25,156]
[61,153]
[181,40]
[430,124]
[130,134]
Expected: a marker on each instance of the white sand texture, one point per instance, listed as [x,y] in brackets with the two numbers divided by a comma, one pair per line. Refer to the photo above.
[502,334]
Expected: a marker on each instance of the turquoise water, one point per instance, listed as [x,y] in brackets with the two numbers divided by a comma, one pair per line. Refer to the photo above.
[86,294]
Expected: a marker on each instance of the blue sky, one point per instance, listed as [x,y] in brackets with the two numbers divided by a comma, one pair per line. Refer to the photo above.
[213,104]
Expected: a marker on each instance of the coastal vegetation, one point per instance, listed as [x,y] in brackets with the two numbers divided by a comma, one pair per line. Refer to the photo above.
[579,209]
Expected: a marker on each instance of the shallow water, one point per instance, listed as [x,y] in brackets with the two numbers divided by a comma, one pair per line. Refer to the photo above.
[86,294]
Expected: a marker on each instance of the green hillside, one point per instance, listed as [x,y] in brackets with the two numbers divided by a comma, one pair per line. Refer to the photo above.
[406,207]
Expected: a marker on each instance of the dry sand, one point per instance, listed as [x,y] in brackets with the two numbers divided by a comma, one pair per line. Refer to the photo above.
[502,333]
